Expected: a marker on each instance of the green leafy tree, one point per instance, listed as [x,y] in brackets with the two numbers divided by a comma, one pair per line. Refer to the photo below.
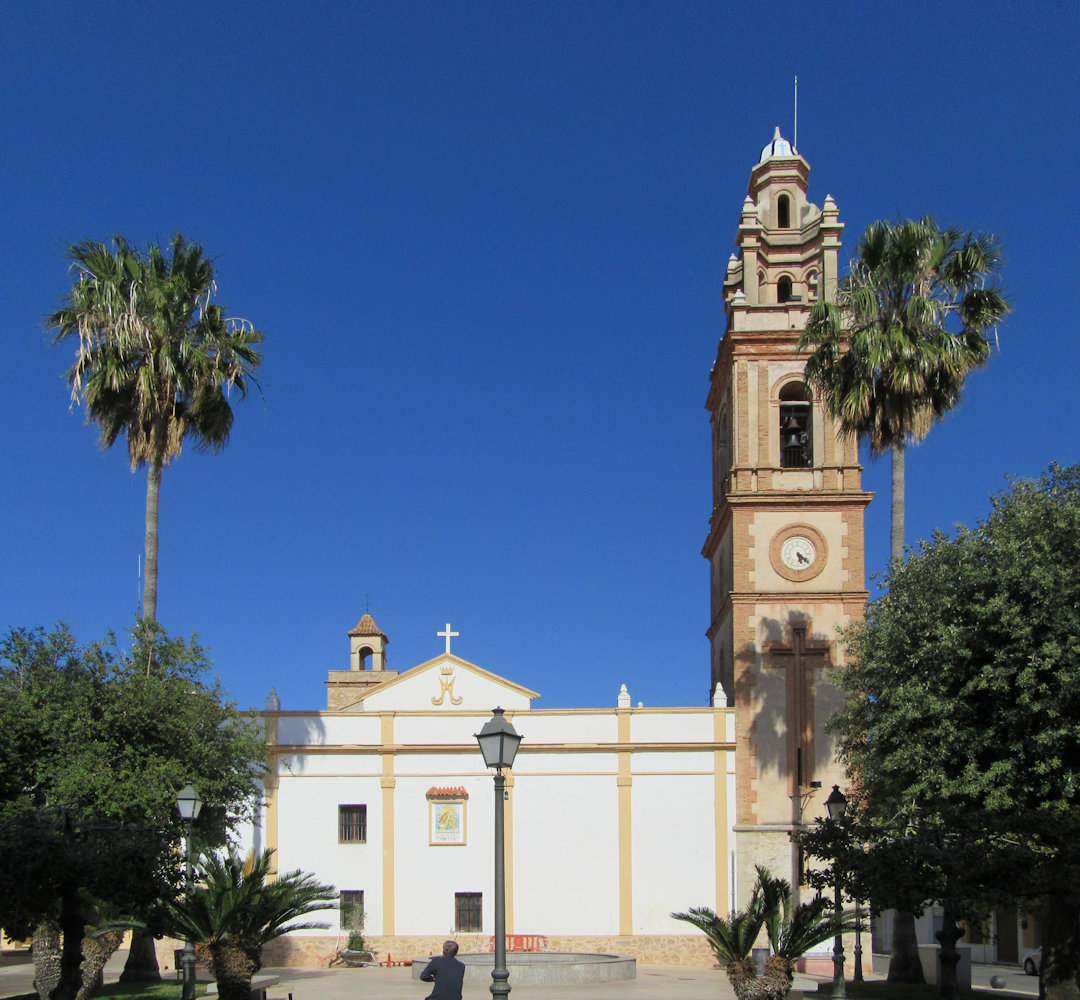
[155,359]
[962,731]
[908,863]
[890,356]
[95,741]
[59,869]
[237,907]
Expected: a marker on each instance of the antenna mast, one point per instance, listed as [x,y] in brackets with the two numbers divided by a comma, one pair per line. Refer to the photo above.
[795,139]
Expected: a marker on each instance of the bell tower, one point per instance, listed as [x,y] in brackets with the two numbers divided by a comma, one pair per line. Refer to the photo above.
[785,542]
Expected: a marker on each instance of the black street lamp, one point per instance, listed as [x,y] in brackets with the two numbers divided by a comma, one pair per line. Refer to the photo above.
[499,744]
[857,975]
[189,804]
[836,804]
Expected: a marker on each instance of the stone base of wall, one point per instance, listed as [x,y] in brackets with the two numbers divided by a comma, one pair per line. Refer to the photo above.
[296,951]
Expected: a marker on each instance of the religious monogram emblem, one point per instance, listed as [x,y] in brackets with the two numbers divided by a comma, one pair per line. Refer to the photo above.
[446,687]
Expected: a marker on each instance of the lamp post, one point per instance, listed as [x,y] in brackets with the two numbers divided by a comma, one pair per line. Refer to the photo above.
[499,744]
[189,803]
[836,804]
[857,975]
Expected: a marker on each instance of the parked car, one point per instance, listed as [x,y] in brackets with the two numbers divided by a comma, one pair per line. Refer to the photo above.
[1032,961]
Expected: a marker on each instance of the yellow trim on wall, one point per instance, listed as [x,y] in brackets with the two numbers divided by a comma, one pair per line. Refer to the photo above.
[432,749]
[270,787]
[508,853]
[388,782]
[626,845]
[720,786]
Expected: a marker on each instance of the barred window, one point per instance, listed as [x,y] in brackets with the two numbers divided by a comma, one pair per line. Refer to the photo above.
[351,909]
[352,824]
[468,911]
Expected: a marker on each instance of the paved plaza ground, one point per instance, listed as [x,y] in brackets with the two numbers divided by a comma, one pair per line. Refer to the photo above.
[652,983]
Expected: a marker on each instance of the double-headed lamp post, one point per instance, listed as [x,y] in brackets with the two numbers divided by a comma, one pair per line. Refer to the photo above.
[836,804]
[499,744]
[189,803]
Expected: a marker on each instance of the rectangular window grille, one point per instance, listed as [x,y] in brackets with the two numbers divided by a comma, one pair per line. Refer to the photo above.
[351,909]
[468,911]
[352,824]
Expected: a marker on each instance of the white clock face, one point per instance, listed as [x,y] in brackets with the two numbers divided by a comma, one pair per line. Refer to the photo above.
[798,552]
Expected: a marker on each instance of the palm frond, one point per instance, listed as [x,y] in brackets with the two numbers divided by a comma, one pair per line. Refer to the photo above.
[238,899]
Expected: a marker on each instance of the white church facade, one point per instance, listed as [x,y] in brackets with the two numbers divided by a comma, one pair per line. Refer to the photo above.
[615,816]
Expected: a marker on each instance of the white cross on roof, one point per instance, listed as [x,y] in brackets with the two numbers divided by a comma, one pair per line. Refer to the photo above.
[448,635]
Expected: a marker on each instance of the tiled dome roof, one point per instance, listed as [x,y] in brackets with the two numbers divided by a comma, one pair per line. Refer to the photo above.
[367,626]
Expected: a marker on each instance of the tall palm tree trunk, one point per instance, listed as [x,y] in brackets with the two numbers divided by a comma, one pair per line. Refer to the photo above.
[896,531]
[153,491]
[904,964]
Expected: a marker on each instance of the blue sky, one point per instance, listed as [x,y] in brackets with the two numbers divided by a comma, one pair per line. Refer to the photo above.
[485,242]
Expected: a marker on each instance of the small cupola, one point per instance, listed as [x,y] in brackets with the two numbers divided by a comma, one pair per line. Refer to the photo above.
[367,642]
[779,146]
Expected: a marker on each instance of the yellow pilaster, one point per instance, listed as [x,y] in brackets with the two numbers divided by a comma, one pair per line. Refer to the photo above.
[508,852]
[720,814]
[626,855]
[270,786]
[388,781]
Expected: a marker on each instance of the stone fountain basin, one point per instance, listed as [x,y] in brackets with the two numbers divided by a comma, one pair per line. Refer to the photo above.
[544,968]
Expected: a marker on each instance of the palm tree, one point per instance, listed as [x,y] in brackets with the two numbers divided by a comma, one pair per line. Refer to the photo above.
[791,933]
[732,941]
[237,907]
[155,360]
[890,356]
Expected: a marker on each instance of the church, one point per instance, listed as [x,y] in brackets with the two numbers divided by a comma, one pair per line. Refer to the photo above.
[614,816]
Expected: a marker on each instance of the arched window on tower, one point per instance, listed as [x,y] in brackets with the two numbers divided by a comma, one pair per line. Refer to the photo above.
[783,289]
[721,454]
[796,430]
[783,212]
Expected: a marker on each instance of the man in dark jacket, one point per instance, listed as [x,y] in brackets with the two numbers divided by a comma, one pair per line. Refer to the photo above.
[446,972]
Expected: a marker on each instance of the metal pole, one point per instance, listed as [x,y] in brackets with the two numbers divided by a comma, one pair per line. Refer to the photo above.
[500,987]
[858,976]
[188,958]
[839,987]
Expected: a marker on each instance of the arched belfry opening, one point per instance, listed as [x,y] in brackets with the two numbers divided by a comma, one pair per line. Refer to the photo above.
[783,212]
[796,426]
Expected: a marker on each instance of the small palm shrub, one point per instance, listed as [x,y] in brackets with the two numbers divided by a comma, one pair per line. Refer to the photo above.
[791,931]
[731,939]
[236,908]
